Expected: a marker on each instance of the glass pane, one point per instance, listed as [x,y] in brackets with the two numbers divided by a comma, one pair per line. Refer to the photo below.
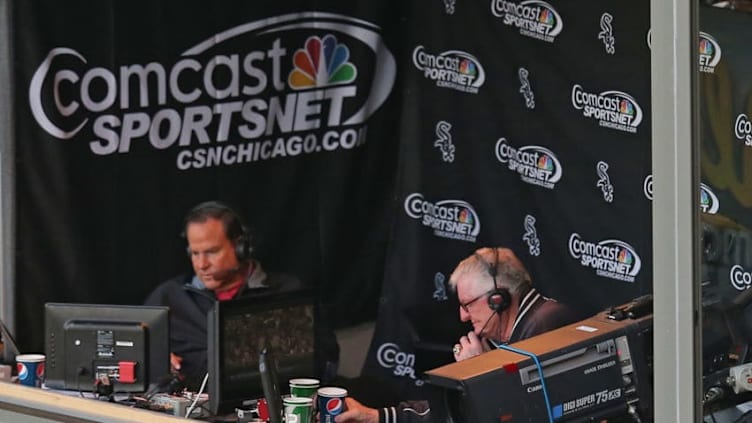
[725,83]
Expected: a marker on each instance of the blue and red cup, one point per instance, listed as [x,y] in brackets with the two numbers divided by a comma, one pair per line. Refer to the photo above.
[30,369]
[331,401]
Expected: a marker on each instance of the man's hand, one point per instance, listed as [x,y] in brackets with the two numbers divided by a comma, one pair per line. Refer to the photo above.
[357,413]
[175,362]
[468,346]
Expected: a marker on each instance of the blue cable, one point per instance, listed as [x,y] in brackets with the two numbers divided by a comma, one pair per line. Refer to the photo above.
[540,374]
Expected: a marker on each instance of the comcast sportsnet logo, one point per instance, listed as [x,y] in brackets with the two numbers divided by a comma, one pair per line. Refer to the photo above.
[536,165]
[534,18]
[610,258]
[453,219]
[453,69]
[271,89]
[612,109]
[710,53]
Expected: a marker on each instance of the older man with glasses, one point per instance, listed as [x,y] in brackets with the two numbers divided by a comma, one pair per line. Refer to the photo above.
[496,295]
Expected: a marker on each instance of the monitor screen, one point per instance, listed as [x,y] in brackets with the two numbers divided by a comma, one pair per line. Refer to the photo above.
[240,329]
[126,346]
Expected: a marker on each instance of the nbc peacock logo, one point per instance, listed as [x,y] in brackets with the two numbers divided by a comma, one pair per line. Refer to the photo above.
[545,163]
[547,17]
[468,68]
[466,216]
[322,62]
[626,107]
[625,257]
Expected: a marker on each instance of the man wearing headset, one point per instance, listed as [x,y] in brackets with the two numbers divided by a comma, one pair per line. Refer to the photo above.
[496,295]
[220,252]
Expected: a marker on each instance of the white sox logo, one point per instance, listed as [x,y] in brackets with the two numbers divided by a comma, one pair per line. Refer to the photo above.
[531,236]
[604,182]
[525,89]
[444,141]
[607,33]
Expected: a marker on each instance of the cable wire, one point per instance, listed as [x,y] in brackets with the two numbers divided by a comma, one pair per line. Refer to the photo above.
[540,374]
[198,395]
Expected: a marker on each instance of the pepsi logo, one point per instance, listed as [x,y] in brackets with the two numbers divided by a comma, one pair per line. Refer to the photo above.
[23,371]
[40,370]
[334,405]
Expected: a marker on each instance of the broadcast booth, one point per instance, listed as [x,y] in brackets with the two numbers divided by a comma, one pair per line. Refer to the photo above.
[598,368]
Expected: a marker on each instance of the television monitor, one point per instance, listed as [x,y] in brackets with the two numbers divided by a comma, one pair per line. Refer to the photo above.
[127,346]
[239,330]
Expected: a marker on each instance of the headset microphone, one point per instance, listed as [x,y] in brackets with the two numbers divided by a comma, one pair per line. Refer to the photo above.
[480,333]
[225,273]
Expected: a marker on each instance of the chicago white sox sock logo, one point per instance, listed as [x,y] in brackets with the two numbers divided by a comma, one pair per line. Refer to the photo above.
[525,88]
[607,33]
[531,236]
[444,141]
[604,182]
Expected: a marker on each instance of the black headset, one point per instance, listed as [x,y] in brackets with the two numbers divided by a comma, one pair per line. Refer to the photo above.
[234,228]
[499,298]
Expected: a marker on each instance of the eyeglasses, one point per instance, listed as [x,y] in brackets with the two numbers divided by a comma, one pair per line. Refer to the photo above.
[467,304]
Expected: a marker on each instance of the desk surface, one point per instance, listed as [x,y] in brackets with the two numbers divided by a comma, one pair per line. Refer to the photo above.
[27,401]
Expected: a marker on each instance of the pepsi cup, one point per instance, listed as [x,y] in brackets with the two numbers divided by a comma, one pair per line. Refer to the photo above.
[331,401]
[30,369]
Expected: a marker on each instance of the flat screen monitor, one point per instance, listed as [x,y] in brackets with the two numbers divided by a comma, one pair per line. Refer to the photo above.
[240,329]
[125,346]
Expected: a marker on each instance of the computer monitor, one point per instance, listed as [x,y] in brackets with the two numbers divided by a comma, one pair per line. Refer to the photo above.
[126,346]
[240,329]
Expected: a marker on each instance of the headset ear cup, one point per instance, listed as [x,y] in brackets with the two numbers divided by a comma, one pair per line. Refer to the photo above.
[243,249]
[499,300]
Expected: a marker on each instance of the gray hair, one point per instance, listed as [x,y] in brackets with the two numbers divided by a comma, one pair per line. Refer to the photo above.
[510,272]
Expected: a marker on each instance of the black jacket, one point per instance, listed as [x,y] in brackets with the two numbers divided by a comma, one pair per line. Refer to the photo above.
[537,314]
[189,303]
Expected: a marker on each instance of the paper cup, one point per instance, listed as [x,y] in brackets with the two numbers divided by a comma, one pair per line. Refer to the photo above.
[298,410]
[30,369]
[331,401]
[304,387]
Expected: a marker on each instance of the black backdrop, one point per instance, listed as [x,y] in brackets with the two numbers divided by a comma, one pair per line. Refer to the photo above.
[548,156]
[104,228]
[523,124]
